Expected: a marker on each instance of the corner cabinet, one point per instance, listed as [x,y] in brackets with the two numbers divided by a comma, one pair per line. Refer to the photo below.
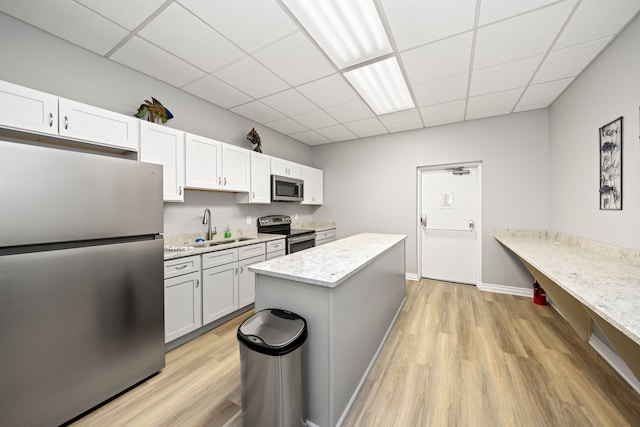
[88,123]
[165,146]
[260,180]
[26,109]
[313,186]
[203,163]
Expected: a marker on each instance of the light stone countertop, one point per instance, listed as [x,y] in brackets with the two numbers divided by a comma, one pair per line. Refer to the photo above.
[330,264]
[603,277]
[180,241]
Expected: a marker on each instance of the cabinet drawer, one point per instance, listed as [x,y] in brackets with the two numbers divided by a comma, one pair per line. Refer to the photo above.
[276,254]
[180,266]
[213,259]
[327,234]
[251,250]
[275,246]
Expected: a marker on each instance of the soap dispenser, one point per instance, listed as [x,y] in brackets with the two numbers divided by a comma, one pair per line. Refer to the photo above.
[227,232]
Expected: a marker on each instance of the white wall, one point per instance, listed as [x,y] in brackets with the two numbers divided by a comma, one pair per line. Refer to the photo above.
[607,89]
[371,184]
[35,59]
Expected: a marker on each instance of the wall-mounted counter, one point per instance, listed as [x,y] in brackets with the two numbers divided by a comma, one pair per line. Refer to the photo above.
[350,292]
[588,281]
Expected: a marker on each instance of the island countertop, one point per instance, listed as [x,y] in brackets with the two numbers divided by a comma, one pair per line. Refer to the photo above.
[604,278]
[330,264]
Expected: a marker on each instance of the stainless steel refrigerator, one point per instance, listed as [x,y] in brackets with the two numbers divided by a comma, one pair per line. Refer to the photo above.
[81,280]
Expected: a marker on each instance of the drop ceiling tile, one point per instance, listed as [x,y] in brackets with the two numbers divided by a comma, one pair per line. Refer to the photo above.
[440,91]
[596,19]
[295,59]
[495,10]
[438,60]
[258,112]
[289,102]
[350,111]
[336,133]
[251,78]
[251,24]
[127,13]
[519,108]
[149,59]
[286,126]
[402,120]
[367,127]
[315,119]
[416,22]
[176,30]
[493,104]
[505,76]
[569,62]
[329,91]
[217,92]
[70,21]
[310,137]
[519,37]
[544,92]
[440,114]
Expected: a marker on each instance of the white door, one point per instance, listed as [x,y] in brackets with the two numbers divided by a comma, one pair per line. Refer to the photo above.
[448,219]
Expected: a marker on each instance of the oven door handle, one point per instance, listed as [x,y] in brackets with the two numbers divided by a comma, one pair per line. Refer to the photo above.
[294,240]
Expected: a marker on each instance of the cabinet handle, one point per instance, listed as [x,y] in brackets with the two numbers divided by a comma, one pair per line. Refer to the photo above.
[180,190]
[197,282]
[66,122]
[241,269]
[236,271]
[219,181]
[50,119]
[254,194]
[182,267]
[225,181]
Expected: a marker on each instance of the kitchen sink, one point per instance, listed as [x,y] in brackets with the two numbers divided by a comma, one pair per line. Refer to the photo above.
[208,243]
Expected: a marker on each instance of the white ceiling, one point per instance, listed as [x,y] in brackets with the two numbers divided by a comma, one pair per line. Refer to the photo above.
[463,59]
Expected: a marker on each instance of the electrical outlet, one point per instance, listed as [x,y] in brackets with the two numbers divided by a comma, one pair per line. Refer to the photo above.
[295,216]
[248,220]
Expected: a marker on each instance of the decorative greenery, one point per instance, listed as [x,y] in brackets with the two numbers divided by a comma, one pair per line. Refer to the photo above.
[152,109]
[255,140]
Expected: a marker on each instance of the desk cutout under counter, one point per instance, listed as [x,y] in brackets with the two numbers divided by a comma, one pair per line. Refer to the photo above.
[587,281]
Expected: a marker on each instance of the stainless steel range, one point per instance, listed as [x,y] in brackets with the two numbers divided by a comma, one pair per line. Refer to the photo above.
[297,239]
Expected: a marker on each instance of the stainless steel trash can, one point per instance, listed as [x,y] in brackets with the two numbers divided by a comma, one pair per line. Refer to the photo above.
[271,369]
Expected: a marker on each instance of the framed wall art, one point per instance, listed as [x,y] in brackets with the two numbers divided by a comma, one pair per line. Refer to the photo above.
[611,165]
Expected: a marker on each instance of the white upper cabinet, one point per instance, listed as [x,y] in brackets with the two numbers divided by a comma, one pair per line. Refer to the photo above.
[260,190]
[87,123]
[313,186]
[27,109]
[203,163]
[286,168]
[236,164]
[165,146]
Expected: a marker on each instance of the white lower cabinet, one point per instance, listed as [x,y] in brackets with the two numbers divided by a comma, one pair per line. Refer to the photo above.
[276,248]
[325,236]
[247,281]
[182,297]
[219,291]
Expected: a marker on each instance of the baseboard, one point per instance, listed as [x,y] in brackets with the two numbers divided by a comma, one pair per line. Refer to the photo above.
[615,361]
[411,276]
[503,289]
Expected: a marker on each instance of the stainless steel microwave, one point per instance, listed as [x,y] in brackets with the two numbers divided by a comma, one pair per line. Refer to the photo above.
[285,189]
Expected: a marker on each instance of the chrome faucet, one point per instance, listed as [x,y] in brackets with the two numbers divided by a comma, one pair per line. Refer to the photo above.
[207,220]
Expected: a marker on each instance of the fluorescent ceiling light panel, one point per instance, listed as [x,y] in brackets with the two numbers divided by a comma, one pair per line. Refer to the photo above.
[348,31]
[382,86]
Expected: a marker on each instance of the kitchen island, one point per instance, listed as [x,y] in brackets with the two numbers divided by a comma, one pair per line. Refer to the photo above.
[350,292]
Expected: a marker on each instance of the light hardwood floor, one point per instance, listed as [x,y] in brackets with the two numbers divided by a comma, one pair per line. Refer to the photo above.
[456,357]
